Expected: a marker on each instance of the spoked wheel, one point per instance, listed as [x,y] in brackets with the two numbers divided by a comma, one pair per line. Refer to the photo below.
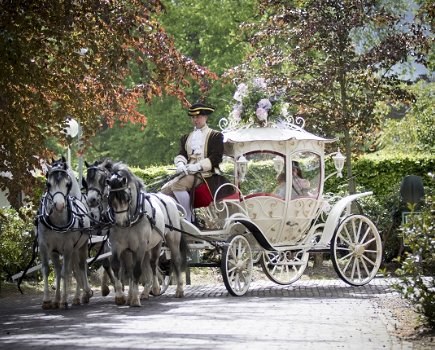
[256,257]
[236,265]
[284,267]
[356,250]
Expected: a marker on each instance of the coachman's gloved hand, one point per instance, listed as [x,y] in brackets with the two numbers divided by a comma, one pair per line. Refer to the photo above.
[194,168]
[181,168]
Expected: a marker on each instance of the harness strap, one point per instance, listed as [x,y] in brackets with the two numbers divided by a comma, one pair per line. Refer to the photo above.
[103,243]
[152,218]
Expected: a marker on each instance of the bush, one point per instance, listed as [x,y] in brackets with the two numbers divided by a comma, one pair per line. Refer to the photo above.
[417,270]
[16,241]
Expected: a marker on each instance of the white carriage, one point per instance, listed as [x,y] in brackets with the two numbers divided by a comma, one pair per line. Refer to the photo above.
[282,227]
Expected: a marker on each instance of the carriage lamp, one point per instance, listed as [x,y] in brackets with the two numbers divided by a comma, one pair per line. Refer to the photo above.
[242,167]
[278,164]
[339,159]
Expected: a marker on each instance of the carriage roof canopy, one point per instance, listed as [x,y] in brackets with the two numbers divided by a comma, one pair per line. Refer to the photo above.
[270,134]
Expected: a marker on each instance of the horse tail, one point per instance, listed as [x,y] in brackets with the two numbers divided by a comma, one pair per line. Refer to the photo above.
[184,252]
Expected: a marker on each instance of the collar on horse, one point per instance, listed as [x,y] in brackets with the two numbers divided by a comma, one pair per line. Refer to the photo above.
[73,215]
[139,212]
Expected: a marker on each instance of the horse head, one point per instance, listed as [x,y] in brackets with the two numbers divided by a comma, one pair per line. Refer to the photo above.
[124,194]
[96,182]
[58,185]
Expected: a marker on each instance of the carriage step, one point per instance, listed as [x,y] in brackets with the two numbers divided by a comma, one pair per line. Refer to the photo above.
[320,250]
[204,264]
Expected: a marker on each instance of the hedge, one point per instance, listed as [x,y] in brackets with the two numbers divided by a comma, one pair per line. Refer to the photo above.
[383,174]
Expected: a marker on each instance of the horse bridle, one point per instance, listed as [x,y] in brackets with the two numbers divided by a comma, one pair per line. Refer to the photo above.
[44,216]
[68,187]
[139,212]
[100,192]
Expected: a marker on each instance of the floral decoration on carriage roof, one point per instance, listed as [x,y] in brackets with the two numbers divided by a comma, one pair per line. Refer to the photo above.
[256,104]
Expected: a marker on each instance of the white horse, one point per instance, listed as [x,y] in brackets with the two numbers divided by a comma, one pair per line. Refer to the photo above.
[137,234]
[96,197]
[62,225]
[96,177]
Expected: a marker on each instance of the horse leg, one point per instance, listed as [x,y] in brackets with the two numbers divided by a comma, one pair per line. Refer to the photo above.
[46,301]
[66,274]
[116,264]
[147,276]
[58,278]
[133,291]
[173,240]
[79,282]
[107,274]
[155,255]
[105,290]
[83,273]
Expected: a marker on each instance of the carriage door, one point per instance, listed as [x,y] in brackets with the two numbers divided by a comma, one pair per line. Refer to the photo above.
[265,191]
[305,174]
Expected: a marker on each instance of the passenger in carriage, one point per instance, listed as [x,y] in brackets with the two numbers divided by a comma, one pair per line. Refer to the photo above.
[198,160]
[300,186]
[281,185]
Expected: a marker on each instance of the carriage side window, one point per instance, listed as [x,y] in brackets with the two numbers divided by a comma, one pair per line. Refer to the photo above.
[306,171]
[263,174]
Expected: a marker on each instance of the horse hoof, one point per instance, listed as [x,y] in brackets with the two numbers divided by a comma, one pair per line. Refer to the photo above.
[136,303]
[56,305]
[179,294]
[76,301]
[144,296]
[47,305]
[120,300]
[64,305]
[105,291]
[87,296]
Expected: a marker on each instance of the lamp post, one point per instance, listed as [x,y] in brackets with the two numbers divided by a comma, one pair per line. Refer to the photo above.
[71,129]
[74,129]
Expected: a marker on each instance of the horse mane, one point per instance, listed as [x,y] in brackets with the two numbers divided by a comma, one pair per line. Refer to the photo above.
[122,169]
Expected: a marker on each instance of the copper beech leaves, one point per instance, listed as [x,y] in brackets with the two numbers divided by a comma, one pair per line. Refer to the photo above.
[73,58]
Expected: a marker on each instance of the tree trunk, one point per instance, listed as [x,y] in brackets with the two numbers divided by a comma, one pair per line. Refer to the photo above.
[350,178]
[347,139]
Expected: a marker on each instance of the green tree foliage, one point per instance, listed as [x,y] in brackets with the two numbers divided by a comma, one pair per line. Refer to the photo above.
[334,59]
[208,32]
[415,132]
[418,265]
[71,58]
[16,240]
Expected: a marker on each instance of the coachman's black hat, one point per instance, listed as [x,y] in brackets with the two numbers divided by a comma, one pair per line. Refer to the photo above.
[200,109]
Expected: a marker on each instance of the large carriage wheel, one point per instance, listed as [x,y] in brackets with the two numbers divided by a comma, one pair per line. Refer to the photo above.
[356,250]
[236,265]
[284,267]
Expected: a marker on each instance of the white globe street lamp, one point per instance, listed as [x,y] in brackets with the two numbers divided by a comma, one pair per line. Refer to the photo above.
[73,129]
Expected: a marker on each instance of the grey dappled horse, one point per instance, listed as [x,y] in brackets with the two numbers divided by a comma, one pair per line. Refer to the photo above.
[62,230]
[97,175]
[96,197]
[136,236]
